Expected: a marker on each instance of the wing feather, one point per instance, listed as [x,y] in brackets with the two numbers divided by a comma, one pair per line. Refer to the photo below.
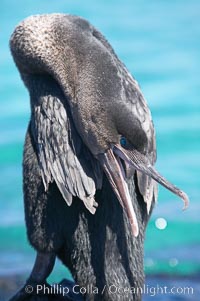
[63,157]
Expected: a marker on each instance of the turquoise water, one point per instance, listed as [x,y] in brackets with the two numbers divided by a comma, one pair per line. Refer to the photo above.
[159,41]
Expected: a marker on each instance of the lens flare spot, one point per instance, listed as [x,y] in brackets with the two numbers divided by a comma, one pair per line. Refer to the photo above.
[161,223]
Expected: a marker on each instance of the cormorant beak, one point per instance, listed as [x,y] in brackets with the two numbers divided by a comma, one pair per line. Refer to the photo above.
[116,176]
[111,163]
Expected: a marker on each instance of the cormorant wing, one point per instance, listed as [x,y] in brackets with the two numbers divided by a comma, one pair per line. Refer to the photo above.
[62,155]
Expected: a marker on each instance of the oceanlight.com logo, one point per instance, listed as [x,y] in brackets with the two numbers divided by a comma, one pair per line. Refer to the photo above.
[164,290]
[58,289]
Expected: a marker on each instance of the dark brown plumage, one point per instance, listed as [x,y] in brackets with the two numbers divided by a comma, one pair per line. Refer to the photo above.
[91,139]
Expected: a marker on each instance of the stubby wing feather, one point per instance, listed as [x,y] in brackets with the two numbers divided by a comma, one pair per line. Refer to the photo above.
[62,155]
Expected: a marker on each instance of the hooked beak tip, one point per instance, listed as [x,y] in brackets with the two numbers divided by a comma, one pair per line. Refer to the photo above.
[185,199]
[135,231]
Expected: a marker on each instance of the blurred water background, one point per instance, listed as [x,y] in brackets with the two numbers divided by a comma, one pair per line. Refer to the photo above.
[159,41]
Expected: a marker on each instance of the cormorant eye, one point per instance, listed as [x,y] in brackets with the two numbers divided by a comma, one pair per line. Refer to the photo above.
[123,141]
